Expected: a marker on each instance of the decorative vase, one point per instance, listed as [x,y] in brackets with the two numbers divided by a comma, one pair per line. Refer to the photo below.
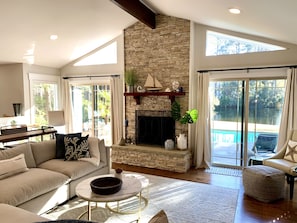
[17,109]
[169,144]
[118,173]
[130,88]
[182,141]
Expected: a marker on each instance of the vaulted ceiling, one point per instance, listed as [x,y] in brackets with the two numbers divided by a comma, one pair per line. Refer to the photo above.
[84,25]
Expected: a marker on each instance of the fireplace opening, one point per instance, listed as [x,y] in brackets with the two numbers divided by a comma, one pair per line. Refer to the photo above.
[153,127]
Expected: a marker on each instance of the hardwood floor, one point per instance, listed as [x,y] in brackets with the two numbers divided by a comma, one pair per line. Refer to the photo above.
[248,210]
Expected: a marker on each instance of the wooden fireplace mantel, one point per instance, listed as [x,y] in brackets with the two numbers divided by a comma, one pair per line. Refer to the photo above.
[138,95]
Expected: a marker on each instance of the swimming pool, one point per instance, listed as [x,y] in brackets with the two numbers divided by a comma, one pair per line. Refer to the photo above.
[231,136]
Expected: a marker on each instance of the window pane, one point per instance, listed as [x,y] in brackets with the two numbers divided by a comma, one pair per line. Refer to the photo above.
[226,125]
[44,100]
[222,44]
[106,55]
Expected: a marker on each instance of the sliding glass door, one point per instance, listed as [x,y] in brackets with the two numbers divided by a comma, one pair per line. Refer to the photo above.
[91,110]
[245,117]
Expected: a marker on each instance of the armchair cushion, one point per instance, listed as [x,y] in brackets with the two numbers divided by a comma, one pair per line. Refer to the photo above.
[282,164]
[291,151]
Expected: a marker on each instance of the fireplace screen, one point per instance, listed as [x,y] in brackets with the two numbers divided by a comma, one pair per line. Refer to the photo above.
[154,127]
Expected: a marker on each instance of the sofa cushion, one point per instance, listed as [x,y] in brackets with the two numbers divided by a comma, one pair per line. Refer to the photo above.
[23,187]
[76,147]
[60,146]
[23,148]
[13,214]
[13,166]
[44,151]
[72,169]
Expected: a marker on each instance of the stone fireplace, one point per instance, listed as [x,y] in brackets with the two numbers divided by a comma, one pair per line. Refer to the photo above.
[153,127]
[163,52]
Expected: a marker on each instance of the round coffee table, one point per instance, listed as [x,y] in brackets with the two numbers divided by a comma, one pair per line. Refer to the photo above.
[131,187]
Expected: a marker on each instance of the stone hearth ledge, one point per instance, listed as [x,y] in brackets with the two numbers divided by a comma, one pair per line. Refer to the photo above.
[152,157]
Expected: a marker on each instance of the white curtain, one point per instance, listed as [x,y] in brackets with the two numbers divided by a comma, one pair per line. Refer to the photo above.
[117,118]
[200,132]
[68,106]
[289,114]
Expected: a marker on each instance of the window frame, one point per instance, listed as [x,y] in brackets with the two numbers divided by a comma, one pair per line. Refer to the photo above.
[43,79]
[248,75]
[242,41]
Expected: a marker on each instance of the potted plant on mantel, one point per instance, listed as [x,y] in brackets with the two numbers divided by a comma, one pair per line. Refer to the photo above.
[189,117]
[130,79]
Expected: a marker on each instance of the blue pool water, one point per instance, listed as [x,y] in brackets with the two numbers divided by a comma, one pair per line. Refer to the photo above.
[231,136]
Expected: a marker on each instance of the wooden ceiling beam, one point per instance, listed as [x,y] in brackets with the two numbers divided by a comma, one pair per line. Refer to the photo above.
[140,11]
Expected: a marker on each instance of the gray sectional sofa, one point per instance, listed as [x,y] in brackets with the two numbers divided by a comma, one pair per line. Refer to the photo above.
[38,181]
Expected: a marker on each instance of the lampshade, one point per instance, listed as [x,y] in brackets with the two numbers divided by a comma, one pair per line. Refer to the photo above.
[56,118]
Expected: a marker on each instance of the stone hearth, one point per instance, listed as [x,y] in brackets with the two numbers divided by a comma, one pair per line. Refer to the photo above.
[152,157]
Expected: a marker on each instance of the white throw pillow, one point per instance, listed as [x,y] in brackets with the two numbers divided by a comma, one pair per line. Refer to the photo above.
[291,151]
[12,166]
[94,145]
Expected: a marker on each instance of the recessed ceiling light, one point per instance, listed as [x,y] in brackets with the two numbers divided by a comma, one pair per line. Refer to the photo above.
[54,37]
[234,10]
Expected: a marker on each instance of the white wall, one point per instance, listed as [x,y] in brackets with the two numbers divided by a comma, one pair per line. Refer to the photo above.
[11,88]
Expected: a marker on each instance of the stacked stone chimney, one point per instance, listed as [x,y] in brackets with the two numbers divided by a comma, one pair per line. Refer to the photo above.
[163,52]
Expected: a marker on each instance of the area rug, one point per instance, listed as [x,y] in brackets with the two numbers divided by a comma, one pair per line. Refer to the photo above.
[224,171]
[183,201]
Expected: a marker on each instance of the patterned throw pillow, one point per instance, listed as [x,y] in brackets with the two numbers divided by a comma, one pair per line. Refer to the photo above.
[60,146]
[76,147]
[291,151]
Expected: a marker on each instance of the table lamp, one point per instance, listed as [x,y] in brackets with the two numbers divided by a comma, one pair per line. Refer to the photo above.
[56,119]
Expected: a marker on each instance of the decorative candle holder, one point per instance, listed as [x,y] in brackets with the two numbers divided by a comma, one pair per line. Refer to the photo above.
[118,173]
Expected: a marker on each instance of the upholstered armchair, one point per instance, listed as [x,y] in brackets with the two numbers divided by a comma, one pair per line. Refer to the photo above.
[286,160]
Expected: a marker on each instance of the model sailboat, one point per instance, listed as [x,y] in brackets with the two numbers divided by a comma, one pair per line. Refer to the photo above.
[152,83]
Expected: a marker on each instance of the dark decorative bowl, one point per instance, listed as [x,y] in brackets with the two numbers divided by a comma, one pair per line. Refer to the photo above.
[106,185]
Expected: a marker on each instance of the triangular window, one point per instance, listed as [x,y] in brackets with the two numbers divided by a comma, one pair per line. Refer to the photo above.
[223,44]
[106,55]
